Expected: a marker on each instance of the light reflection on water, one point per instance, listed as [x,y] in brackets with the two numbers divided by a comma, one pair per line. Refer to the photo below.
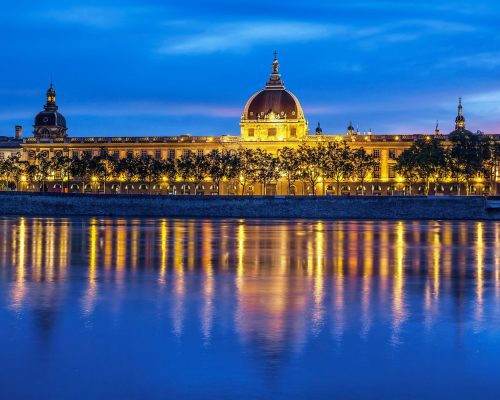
[248,308]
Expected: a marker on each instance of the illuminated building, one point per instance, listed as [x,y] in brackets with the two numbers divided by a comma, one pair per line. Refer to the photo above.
[272,118]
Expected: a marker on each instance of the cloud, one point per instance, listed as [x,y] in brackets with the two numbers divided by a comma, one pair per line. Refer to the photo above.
[95,16]
[487,60]
[246,35]
[239,37]
[486,104]
[154,109]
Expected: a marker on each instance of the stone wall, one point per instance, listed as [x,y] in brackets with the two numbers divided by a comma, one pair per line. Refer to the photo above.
[367,207]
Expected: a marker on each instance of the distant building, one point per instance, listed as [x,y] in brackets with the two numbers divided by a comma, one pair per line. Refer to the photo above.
[272,118]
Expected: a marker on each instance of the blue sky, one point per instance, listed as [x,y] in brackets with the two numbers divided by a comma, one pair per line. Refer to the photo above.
[156,67]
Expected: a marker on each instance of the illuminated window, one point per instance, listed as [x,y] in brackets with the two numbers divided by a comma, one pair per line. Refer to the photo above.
[187,153]
[392,154]
[392,170]
[171,154]
[271,132]
[376,153]
[251,132]
[200,153]
[376,171]
[293,132]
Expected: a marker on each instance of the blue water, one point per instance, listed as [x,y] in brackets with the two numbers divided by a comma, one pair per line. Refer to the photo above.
[248,309]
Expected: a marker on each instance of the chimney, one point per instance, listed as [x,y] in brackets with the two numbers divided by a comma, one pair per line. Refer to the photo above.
[19,132]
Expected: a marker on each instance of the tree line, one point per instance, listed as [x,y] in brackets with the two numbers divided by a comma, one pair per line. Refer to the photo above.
[467,157]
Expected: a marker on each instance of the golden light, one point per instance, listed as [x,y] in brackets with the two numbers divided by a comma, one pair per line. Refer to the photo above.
[23,178]
[94,179]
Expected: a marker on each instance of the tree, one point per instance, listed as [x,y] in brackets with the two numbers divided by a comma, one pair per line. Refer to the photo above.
[491,162]
[62,164]
[127,168]
[312,160]
[222,164]
[44,168]
[289,165]
[169,170]
[11,171]
[82,169]
[406,168]
[337,163]
[363,164]
[104,167]
[247,167]
[267,169]
[466,157]
[192,168]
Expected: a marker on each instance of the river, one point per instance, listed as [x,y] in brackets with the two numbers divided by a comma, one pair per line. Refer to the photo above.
[248,309]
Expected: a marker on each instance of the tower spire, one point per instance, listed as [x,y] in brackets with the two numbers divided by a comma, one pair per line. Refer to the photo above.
[51,98]
[460,119]
[275,81]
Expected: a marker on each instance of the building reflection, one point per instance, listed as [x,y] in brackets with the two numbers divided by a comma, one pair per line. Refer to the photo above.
[276,284]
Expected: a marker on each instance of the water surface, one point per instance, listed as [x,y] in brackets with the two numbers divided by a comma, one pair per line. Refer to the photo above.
[248,309]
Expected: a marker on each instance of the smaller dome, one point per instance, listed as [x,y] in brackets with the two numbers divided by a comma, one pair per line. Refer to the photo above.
[50,123]
[50,118]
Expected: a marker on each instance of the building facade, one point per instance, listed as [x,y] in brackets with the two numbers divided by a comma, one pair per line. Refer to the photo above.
[272,118]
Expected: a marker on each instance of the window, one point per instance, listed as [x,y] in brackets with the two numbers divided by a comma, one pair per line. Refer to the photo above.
[392,154]
[251,132]
[144,154]
[158,154]
[130,153]
[171,154]
[376,171]
[1,156]
[392,170]
[271,132]
[116,154]
[31,154]
[200,153]
[376,153]
[293,132]
[74,155]
[88,153]
[186,153]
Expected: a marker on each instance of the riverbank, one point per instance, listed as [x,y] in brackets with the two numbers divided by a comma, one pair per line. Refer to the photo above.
[362,207]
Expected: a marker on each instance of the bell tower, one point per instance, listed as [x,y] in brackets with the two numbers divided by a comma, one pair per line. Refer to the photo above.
[50,123]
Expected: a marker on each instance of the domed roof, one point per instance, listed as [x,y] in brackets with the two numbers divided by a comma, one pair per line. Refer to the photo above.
[274,101]
[50,118]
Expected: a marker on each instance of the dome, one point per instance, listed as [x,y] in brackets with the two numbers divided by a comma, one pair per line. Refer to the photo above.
[274,101]
[50,118]
[50,123]
[278,103]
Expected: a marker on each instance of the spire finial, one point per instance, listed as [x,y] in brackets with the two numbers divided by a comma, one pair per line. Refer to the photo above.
[460,120]
[275,78]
